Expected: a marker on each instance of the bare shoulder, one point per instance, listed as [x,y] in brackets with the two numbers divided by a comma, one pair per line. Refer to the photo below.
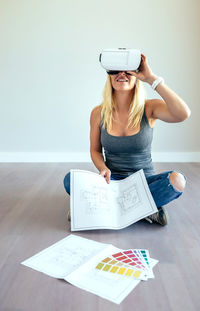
[95,115]
[149,108]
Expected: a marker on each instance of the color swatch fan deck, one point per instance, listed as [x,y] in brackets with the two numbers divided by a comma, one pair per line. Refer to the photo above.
[134,263]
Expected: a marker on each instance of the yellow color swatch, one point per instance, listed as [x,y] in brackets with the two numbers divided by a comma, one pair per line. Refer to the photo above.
[113,262]
[121,270]
[114,269]
[106,268]
[99,266]
[129,272]
[106,259]
[136,274]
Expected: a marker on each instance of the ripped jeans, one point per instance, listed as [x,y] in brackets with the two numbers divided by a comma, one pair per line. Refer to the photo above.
[160,186]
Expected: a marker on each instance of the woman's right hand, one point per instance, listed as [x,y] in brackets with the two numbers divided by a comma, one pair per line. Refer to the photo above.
[105,173]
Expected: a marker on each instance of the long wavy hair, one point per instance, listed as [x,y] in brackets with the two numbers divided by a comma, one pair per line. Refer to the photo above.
[136,109]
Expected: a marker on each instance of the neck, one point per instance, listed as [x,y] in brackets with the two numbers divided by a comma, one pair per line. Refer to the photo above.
[123,100]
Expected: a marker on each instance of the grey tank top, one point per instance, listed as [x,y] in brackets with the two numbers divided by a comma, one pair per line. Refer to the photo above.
[125,155]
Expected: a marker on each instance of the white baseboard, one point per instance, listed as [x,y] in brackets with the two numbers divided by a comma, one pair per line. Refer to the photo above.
[85,157]
[176,156]
[45,157]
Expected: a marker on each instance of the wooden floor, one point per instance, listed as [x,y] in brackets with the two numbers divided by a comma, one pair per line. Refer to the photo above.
[33,206]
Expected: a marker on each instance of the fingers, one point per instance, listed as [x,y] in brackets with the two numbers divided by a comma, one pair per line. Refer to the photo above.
[144,58]
[106,173]
[108,177]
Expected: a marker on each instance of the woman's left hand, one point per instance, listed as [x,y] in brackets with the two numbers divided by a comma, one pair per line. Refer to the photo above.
[145,73]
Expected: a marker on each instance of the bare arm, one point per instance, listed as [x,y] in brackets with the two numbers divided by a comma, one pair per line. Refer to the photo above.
[172,108]
[95,143]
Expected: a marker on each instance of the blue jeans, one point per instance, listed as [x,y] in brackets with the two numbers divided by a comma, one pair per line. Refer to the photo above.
[160,186]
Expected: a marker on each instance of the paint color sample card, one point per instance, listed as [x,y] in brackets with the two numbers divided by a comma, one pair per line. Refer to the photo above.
[95,204]
[133,263]
[138,256]
[88,265]
[114,266]
[129,258]
[145,255]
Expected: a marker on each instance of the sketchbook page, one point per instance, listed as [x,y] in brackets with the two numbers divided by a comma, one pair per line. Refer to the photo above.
[65,256]
[112,287]
[134,200]
[91,201]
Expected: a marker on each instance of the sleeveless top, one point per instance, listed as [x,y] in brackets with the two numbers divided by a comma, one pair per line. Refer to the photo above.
[125,155]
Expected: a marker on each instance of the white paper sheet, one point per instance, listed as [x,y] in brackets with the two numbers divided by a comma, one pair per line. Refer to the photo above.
[95,204]
[74,259]
[65,256]
[109,286]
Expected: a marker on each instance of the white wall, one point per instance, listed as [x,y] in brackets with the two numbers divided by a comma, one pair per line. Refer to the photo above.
[50,76]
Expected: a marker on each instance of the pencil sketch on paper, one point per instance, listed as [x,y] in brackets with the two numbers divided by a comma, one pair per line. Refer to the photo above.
[71,255]
[129,200]
[96,200]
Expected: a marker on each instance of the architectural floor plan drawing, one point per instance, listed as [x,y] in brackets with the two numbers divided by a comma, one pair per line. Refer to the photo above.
[129,200]
[95,204]
[95,200]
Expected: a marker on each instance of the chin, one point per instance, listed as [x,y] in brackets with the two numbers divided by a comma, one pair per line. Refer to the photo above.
[123,89]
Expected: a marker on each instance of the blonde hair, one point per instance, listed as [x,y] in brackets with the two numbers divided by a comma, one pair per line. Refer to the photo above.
[136,107]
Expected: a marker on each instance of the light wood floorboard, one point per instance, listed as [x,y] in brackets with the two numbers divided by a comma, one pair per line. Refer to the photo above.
[33,216]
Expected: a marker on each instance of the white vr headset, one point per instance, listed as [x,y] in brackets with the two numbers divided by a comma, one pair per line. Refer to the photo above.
[120,59]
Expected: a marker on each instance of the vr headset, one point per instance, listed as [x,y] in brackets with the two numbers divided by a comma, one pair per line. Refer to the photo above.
[120,59]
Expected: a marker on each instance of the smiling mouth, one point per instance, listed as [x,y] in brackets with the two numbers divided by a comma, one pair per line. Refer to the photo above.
[122,81]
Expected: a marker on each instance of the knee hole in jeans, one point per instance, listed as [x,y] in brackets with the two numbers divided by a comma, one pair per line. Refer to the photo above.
[178,181]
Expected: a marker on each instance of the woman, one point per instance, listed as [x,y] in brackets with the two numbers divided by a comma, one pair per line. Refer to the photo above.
[123,125]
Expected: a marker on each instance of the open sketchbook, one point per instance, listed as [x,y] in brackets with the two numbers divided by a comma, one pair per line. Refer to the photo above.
[95,204]
[77,260]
